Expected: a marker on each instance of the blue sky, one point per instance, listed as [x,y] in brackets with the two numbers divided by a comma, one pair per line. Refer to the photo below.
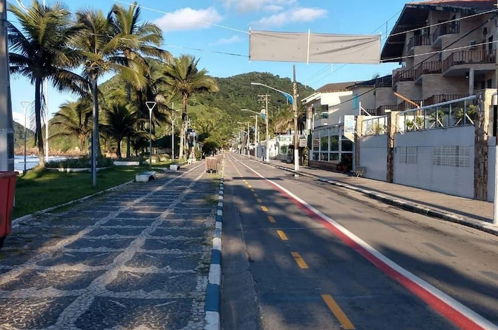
[219,25]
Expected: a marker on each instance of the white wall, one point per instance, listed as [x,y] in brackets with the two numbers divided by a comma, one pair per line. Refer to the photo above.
[373,156]
[438,173]
[491,169]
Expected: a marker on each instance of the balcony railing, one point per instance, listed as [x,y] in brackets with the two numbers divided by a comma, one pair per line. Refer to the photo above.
[476,56]
[428,68]
[407,106]
[448,28]
[455,113]
[384,82]
[421,40]
[381,110]
[404,75]
[440,98]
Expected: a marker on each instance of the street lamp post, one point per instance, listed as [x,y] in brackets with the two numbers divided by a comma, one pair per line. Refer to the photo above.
[150,106]
[6,122]
[25,105]
[256,130]
[293,99]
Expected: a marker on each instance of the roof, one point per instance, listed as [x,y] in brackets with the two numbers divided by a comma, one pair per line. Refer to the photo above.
[336,87]
[473,4]
[414,15]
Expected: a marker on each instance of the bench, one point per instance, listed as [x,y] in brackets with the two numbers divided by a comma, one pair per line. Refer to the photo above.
[360,171]
[145,176]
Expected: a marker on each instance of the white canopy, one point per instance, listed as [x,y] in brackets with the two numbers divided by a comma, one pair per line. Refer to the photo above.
[314,47]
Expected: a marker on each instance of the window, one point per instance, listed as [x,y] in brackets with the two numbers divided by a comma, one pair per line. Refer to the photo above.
[316,142]
[407,155]
[346,144]
[324,143]
[334,143]
[490,45]
[325,107]
[489,83]
[334,156]
[451,156]
[324,156]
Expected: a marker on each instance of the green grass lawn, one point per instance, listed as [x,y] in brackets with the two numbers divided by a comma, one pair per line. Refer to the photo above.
[38,190]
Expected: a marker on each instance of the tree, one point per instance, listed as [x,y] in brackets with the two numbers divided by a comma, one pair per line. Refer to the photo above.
[119,124]
[40,50]
[75,119]
[144,41]
[185,79]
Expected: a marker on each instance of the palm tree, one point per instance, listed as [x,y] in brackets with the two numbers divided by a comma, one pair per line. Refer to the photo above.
[185,80]
[40,50]
[119,124]
[74,118]
[146,39]
[97,45]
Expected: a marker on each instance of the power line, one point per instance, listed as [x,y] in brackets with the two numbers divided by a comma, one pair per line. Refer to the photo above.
[442,23]
[208,50]
[165,12]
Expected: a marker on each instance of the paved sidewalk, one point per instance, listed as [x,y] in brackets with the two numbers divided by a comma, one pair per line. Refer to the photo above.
[137,258]
[465,207]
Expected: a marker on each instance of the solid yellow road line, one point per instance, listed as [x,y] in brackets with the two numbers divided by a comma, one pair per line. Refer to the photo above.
[337,311]
[264,209]
[282,235]
[271,219]
[299,260]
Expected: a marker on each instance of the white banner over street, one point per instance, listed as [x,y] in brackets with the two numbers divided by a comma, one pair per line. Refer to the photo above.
[314,47]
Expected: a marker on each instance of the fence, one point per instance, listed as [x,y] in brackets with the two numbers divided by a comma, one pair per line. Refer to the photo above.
[374,125]
[455,113]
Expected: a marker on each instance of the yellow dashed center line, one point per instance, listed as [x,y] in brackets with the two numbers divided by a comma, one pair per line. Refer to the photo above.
[337,311]
[282,235]
[299,260]
[249,186]
[264,208]
[271,219]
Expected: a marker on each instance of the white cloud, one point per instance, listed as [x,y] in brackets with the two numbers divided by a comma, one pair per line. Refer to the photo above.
[188,19]
[226,41]
[258,5]
[18,117]
[295,15]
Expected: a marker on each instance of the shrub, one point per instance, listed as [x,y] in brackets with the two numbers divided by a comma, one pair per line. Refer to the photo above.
[83,162]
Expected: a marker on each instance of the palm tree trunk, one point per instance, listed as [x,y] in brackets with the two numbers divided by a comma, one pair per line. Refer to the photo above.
[183,127]
[38,129]
[118,149]
[128,147]
[95,139]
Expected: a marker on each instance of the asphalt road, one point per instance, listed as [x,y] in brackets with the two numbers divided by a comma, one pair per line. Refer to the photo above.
[300,254]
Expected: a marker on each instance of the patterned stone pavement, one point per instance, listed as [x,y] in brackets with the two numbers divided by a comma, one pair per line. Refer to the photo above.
[137,258]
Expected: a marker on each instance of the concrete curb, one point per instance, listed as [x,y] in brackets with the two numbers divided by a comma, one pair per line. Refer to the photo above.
[213,292]
[406,205]
[18,221]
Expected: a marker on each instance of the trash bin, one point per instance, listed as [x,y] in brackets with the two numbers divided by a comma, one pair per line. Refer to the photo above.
[211,164]
[7,192]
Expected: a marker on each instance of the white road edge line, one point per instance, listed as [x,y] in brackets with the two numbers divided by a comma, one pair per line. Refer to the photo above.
[470,314]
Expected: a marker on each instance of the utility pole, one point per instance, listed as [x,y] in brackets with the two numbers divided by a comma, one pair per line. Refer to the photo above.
[25,105]
[173,117]
[294,108]
[495,210]
[248,138]
[45,95]
[6,123]
[265,98]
